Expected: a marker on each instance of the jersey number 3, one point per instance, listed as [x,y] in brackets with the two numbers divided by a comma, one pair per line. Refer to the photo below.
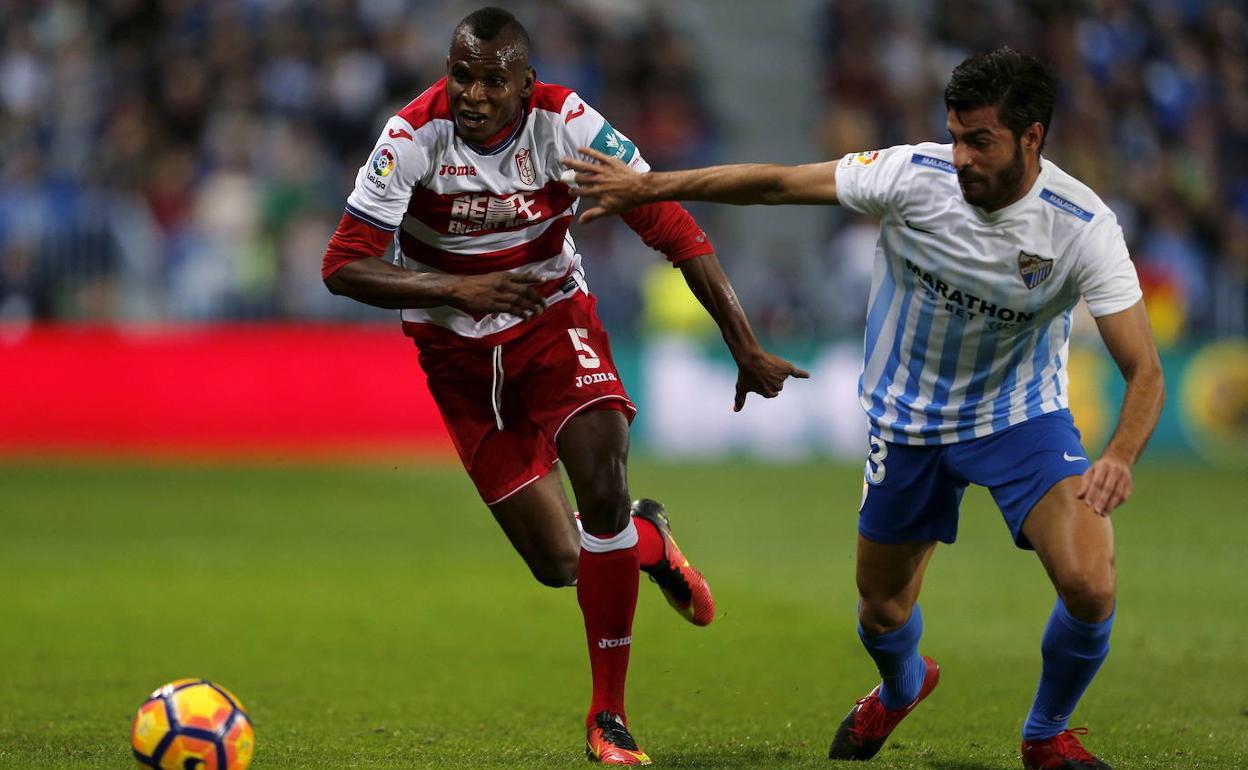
[875,460]
[585,354]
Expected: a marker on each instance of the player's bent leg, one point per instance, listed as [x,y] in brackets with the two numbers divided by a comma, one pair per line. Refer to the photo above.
[1076,547]
[890,576]
[539,522]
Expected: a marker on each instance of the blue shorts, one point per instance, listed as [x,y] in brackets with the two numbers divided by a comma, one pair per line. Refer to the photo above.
[911,493]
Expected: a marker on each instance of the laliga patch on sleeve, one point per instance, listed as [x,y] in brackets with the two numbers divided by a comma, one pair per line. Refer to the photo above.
[612,142]
[381,167]
[861,158]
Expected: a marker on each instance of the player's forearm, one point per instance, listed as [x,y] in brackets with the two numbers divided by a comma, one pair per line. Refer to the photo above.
[1141,408]
[742,184]
[712,288]
[376,282]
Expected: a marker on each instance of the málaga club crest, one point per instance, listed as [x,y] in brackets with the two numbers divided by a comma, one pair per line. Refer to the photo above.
[1033,269]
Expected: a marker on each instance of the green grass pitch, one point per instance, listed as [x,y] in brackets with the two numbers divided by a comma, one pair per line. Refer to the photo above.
[375,618]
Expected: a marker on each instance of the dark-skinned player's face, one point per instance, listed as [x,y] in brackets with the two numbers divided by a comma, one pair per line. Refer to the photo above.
[486,82]
[990,160]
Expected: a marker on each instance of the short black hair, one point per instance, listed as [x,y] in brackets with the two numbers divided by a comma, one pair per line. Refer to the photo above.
[490,23]
[1022,89]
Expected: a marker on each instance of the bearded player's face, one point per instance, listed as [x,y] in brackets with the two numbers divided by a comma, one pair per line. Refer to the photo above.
[989,159]
[486,82]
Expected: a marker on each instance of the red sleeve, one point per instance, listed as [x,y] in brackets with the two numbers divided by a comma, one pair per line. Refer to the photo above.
[354,239]
[668,228]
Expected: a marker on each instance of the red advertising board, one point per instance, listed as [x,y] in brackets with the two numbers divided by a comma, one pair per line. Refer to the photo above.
[235,390]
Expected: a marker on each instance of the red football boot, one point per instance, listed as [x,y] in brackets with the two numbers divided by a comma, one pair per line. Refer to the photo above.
[682,585]
[868,724]
[609,742]
[1061,752]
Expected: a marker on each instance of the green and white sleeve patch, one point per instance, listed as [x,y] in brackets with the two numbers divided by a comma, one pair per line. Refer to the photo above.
[613,143]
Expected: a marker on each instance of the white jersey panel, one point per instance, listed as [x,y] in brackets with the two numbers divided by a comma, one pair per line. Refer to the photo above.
[457,209]
[970,311]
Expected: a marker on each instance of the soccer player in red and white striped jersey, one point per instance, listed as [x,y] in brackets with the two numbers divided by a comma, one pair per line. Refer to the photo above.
[488,282]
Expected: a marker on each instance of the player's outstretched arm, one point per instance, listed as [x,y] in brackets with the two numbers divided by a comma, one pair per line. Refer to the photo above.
[619,188]
[1129,339]
[376,282]
[757,370]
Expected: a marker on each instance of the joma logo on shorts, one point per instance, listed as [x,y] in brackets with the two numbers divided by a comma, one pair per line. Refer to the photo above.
[593,379]
[604,644]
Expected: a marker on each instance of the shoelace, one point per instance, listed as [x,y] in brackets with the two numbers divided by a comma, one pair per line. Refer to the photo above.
[869,717]
[1069,747]
[614,732]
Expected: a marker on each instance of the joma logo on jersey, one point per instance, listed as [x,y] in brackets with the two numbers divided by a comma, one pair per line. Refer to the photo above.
[592,379]
[448,170]
[474,213]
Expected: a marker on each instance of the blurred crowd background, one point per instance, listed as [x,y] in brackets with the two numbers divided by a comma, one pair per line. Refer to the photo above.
[175,160]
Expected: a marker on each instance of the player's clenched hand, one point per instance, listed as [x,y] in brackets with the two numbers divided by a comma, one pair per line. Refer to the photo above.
[617,187]
[499,292]
[1106,485]
[764,374]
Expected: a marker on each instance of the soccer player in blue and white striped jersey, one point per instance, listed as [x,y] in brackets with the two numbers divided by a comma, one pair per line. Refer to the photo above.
[985,249]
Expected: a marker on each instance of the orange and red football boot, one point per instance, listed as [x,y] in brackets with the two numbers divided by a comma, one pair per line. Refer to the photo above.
[863,731]
[609,742]
[682,585]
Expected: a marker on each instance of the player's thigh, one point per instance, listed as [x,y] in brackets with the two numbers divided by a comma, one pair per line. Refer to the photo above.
[1021,464]
[1076,547]
[573,393]
[539,522]
[500,460]
[890,577]
[907,495]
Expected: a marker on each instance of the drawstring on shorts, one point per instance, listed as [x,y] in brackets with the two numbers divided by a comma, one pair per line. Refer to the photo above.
[496,388]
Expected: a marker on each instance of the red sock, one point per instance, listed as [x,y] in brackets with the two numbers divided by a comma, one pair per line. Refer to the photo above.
[606,588]
[649,543]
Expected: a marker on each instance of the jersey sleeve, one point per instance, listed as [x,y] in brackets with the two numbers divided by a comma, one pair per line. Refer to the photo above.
[869,182]
[384,183]
[586,127]
[1103,271]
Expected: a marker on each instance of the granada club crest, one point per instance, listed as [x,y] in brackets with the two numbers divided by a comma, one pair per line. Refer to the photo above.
[1033,269]
[524,164]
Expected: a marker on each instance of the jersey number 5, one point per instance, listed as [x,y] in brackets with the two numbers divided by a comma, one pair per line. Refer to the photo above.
[586,355]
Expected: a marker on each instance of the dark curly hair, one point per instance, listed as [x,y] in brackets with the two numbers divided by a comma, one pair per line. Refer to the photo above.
[1022,89]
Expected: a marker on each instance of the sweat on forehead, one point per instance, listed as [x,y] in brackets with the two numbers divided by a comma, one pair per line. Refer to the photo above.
[505,49]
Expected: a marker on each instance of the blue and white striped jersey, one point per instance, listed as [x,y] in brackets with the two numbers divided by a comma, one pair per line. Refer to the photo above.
[970,311]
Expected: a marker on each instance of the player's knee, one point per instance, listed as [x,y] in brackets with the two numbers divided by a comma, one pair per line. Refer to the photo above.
[558,571]
[881,616]
[1088,597]
[603,503]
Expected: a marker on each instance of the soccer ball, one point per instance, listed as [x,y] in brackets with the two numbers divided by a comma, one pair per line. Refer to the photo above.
[192,724]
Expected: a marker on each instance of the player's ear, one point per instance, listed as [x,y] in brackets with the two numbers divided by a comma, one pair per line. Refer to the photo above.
[1033,135]
[530,79]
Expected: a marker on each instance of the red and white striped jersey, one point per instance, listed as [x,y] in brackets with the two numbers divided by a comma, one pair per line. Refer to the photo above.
[455,208]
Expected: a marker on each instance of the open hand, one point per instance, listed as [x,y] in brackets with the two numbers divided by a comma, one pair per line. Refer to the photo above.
[1106,485]
[500,292]
[617,186]
[764,374]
